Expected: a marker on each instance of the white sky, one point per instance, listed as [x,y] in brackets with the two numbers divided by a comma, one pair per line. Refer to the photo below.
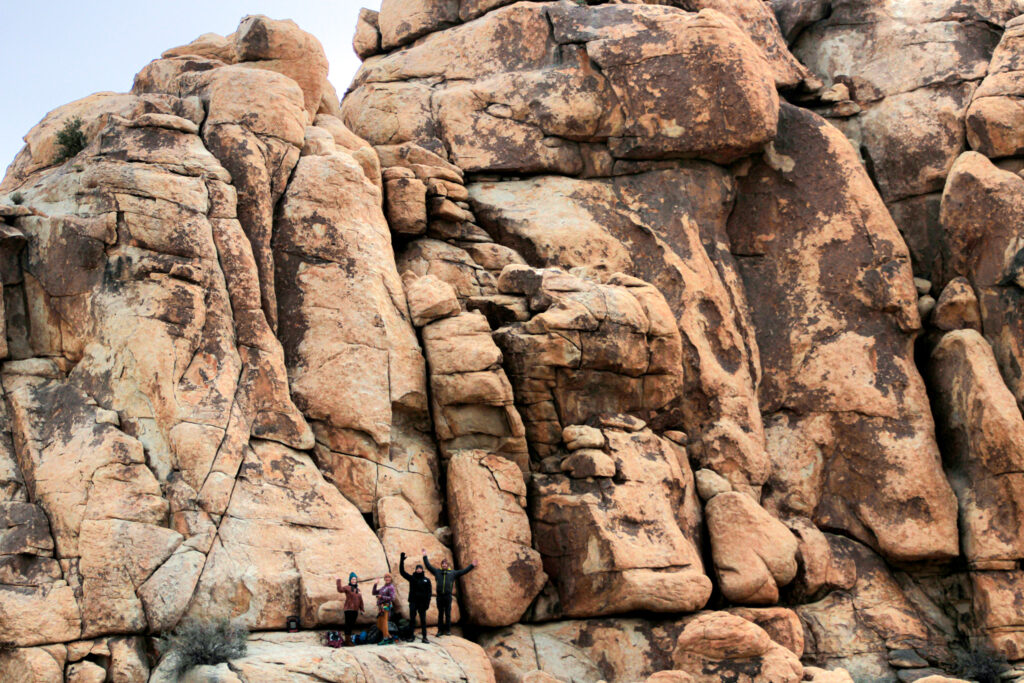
[56,51]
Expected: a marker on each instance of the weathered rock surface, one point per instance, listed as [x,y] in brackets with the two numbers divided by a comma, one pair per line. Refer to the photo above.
[996,612]
[871,614]
[600,225]
[754,553]
[632,649]
[588,349]
[146,287]
[474,406]
[304,657]
[983,433]
[982,209]
[563,289]
[824,342]
[720,646]
[625,542]
[487,500]
[563,114]
[957,307]
[911,70]
[994,118]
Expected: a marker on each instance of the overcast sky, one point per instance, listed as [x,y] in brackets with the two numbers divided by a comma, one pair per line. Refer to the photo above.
[56,51]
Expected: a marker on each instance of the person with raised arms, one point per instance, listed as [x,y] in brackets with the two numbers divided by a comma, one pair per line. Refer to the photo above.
[445,578]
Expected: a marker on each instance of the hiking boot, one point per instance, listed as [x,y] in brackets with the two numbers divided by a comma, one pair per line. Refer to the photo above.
[425,640]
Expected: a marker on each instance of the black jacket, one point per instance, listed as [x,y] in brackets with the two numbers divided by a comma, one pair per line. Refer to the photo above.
[446,577]
[419,585]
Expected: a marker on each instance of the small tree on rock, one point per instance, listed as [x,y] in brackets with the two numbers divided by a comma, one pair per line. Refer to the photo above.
[70,139]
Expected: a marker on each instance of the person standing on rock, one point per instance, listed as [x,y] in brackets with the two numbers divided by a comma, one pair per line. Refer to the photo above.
[445,577]
[419,597]
[385,603]
[353,604]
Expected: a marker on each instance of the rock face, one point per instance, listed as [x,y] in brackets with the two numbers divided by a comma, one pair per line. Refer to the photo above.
[985,433]
[719,646]
[627,225]
[626,304]
[980,209]
[994,117]
[754,553]
[296,657]
[561,114]
[486,498]
[626,540]
[632,649]
[157,462]
[910,70]
[866,433]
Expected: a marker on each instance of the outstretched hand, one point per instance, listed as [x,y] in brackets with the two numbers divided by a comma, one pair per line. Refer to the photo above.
[403,556]
[424,551]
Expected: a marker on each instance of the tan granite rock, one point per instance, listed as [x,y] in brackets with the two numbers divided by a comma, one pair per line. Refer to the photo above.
[490,527]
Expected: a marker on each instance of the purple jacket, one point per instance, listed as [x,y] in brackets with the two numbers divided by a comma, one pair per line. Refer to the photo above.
[386,594]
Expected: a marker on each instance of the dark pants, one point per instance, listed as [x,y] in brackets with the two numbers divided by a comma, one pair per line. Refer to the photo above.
[444,613]
[350,620]
[421,610]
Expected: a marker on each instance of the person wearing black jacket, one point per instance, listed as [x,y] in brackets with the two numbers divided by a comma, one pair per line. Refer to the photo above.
[419,597]
[445,577]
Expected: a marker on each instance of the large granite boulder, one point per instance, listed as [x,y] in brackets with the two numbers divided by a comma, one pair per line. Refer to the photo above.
[494,95]
[981,214]
[983,435]
[994,118]
[625,539]
[487,500]
[832,308]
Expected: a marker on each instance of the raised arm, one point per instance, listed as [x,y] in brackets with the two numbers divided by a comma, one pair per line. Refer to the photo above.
[426,563]
[341,588]
[401,568]
[464,570]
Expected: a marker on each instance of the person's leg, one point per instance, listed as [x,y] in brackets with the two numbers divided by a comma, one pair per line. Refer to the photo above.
[423,622]
[350,621]
[412,621]
[444,613]
[382,624]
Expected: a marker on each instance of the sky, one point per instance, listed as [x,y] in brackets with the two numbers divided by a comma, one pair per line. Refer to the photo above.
[55,51]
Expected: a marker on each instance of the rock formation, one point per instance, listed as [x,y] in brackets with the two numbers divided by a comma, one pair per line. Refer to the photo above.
[697,325]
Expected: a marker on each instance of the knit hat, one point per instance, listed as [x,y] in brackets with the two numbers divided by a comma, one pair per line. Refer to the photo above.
[352,575]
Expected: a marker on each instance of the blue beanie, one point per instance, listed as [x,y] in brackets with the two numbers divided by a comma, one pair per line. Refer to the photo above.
[352,575]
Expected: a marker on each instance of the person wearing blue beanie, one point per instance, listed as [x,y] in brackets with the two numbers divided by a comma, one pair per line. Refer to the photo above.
[353,604]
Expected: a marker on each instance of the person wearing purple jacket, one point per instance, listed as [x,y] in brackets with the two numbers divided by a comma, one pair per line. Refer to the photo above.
[385,603]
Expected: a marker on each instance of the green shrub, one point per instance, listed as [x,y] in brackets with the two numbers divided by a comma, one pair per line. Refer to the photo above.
[195,643]
[17,198]
[70,139]
[981,664]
